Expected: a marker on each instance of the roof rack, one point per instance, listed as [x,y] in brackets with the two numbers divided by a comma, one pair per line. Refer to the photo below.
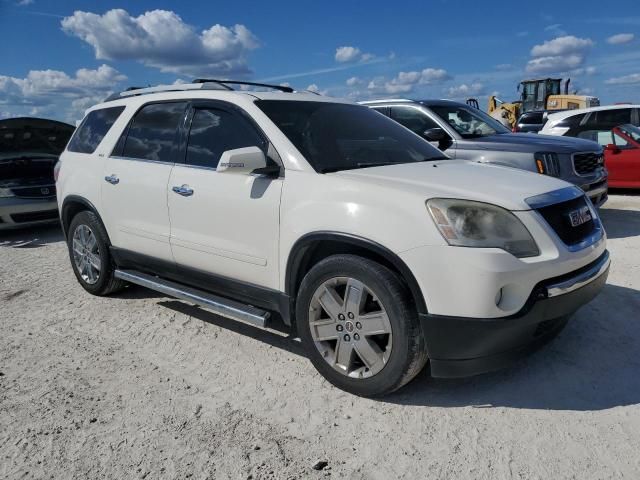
[367,102]
[282,88]
[133,91]
[197,84]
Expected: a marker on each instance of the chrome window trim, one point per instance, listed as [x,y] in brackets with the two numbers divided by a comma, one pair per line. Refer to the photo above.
[145,160]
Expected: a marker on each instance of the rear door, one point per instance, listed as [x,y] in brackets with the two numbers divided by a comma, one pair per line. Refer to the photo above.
[225,224]
[136,175]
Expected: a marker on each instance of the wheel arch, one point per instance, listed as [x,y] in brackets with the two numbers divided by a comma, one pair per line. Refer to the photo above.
[71,206]
[313,247]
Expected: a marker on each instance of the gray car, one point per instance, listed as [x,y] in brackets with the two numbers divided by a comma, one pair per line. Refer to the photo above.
[29,150]
[467,133]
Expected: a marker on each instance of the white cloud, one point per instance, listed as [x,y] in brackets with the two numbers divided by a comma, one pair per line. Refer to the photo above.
[561,46]
[161,39]
[562,54]
[24,3]
[620,38]
[57,94]
[405,82]
[465,90]
[347,54]
[353,81]
[632,79]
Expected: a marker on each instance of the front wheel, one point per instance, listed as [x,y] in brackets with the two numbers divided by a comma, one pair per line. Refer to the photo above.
[358,323]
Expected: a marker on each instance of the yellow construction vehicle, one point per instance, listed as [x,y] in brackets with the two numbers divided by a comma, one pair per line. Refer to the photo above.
[538,94]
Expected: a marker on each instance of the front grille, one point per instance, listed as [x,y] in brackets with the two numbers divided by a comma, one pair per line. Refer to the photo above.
[40,191]
[558,217]
[586,163]
[35,216]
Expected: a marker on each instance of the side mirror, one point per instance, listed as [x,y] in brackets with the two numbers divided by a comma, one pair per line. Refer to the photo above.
[435,134]
[614,149]
[242,160]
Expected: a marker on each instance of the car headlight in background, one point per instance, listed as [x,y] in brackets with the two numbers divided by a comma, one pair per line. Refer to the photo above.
[465,223]
[547,163]
[6,193]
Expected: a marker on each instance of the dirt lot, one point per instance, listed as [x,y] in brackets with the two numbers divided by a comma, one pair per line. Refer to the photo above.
[142,386]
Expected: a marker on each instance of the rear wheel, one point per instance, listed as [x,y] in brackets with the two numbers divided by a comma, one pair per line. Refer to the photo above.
[89,253]
[359,325]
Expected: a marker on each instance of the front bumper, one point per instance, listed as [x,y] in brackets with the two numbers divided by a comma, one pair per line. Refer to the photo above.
[462,346]
[18,212]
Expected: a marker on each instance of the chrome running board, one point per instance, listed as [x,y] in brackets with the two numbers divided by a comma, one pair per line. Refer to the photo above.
[221,306]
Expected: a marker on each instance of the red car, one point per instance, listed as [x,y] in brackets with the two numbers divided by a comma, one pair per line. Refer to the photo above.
[622,157]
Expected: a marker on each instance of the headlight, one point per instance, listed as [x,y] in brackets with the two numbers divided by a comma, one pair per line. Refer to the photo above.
[6,193]
[464,223]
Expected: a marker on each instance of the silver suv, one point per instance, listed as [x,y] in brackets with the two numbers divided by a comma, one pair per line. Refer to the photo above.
[467,133]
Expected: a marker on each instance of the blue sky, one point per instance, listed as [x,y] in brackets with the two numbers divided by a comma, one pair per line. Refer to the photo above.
[59,57]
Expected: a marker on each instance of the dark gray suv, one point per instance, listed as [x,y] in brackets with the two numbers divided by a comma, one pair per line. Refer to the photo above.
[467,133]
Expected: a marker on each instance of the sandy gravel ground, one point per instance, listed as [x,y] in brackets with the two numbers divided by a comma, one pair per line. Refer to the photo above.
[142,386]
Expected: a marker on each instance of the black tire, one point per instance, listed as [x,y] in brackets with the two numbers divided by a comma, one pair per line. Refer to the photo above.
[106,282]
[408,353]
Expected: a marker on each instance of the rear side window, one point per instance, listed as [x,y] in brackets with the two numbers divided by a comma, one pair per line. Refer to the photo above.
[412,118]
[153,130]
[93,129]
[572,122]
[533,118]
[611,118]
[215,131]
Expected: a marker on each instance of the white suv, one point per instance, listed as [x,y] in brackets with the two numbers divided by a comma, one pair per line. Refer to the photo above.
[382,252]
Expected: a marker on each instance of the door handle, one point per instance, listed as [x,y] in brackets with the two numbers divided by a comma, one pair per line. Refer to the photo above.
[183,190]
[112,179]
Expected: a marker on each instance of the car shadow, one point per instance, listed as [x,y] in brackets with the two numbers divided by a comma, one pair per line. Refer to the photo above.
[620,223]
[277,335]
[33,237]
[592,365]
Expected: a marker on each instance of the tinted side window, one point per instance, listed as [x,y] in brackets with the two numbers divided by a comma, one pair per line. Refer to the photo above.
[572,121]
[152,132]
[93,129]
[412,118]
[533,117]
[215,131]
[612,118]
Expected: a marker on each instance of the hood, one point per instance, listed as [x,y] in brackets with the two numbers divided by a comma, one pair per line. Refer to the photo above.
[529,142]
[28,137]
[29,148]
[502,186]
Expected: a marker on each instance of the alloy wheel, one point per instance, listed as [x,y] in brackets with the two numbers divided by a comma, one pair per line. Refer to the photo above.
[350,327]
[86,254]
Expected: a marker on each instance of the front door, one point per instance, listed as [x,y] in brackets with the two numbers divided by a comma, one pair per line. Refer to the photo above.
[136,175]
[623,164]
[224,223]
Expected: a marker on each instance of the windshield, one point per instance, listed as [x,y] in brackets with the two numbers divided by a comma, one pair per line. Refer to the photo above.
[632,131]
[468,122]
[337,136]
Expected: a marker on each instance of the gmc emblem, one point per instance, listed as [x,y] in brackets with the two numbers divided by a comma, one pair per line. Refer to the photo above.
[580,216]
